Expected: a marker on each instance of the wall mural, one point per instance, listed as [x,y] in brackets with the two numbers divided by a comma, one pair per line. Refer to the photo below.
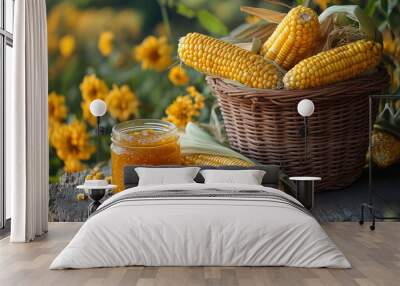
[148,60]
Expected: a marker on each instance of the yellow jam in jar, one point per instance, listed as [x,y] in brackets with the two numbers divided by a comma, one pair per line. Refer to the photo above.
[142,142]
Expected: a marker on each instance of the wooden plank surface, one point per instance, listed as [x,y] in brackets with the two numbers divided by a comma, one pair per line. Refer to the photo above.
[375,256]
[344,205]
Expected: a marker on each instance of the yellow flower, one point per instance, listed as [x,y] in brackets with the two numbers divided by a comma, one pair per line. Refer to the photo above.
[105,44]
[126,23]
[199,102]
[154,53]
[184,108]
[122,102]
[181,111]
[57,112]
[73,165]
[72,145]
[81,197]
[56,107]
[93,88]
[178,76]
[198,97]
[63,16]
[53,125]
[192,91]
[67,46]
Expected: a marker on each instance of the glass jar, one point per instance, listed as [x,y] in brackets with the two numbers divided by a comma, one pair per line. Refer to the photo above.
[142,142]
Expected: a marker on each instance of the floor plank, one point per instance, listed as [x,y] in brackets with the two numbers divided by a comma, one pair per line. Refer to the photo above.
[375,256]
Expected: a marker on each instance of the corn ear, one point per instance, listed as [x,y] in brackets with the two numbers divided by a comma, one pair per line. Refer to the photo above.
[385,148]
[213,160]
[334,65]
[215,57]
[294,38]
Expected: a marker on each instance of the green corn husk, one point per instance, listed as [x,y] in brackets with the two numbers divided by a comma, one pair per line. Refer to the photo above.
[389,121]
[253,47]
[197,141]
[265,14]
[353,12]
[247,32]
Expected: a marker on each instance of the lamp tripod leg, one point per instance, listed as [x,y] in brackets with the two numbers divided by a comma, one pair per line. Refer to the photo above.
[98,138]
[372,226]
[361,221]
[306,143]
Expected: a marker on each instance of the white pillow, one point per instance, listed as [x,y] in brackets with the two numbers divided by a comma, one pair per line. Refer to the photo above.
[248,177]
[166,176]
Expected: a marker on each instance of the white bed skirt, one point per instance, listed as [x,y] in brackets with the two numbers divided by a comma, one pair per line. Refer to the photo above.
[200,232]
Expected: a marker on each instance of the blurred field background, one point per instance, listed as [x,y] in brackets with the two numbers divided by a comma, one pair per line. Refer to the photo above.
[124,52]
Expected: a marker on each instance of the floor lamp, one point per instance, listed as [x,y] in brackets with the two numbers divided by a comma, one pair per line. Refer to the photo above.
[98,108]
[305,108]
[305,185]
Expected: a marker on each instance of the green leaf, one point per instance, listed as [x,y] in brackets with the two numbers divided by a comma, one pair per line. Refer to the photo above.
[170,3]
[370,8]
[384,6]
[305,3]
[184,10]
[211,23]
[387,6]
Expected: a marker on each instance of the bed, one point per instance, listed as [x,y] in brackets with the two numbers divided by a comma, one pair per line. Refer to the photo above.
[197,224]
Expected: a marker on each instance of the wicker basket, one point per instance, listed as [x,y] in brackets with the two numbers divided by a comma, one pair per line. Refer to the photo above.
[264,125]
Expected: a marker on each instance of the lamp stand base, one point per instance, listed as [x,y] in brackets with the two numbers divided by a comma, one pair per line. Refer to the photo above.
[372,211]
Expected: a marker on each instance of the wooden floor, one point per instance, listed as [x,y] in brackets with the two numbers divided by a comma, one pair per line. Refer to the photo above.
[375,257]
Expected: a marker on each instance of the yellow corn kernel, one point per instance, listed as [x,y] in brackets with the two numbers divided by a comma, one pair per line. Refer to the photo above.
[216,57]
[334,65]
[294,38]
[213,160]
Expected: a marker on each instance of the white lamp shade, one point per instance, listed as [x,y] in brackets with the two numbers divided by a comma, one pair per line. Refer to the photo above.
[98,107]
[305,108]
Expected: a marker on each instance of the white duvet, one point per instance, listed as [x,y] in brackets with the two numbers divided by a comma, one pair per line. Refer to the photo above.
[200,231]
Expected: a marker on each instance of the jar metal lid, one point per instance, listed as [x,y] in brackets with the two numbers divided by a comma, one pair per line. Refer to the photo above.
[122,133]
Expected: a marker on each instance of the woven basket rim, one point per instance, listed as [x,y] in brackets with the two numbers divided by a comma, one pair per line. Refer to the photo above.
[371,82]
